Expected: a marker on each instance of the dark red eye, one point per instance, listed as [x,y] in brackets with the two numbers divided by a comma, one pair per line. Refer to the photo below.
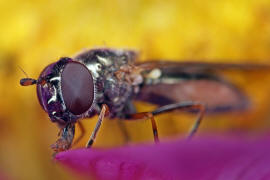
[77,88]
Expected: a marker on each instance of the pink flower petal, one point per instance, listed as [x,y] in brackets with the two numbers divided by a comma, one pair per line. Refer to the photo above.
[204,158]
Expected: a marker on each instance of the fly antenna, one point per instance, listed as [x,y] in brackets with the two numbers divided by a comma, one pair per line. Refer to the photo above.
[26,81]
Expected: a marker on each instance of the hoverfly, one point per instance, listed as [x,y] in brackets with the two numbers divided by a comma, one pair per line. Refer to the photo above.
[106,81]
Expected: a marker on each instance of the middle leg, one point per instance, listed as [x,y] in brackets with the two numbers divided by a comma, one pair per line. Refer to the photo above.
[171,107]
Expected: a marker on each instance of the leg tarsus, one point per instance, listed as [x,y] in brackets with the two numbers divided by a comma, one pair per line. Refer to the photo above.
[90,143]
[154,127]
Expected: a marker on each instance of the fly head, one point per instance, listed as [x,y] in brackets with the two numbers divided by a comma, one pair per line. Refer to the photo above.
[65,90]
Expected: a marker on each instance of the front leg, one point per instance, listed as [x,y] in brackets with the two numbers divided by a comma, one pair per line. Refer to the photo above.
[65,140]
[104,111]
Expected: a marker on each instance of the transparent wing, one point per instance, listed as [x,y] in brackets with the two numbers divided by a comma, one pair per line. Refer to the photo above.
[222,87]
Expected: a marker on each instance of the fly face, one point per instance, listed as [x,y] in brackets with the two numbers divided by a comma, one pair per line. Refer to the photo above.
[65,90]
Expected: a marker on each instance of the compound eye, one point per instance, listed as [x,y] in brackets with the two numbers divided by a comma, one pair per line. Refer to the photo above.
[77,87]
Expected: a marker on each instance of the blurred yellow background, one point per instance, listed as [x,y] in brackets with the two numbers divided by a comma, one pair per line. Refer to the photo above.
[36,33]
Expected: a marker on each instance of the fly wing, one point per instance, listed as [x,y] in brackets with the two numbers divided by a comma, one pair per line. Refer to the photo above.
[200,66]
[210,83]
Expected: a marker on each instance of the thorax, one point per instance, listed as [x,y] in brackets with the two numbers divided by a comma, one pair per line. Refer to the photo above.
[116,78]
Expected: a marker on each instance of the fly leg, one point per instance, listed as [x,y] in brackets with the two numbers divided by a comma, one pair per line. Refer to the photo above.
[171,107]
[124,130]
[104,111]
[128,109]
[185,106]
[146,115]
[65,140]
[80,126]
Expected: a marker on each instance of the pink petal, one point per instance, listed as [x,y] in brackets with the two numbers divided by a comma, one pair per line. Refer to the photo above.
[204,158]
